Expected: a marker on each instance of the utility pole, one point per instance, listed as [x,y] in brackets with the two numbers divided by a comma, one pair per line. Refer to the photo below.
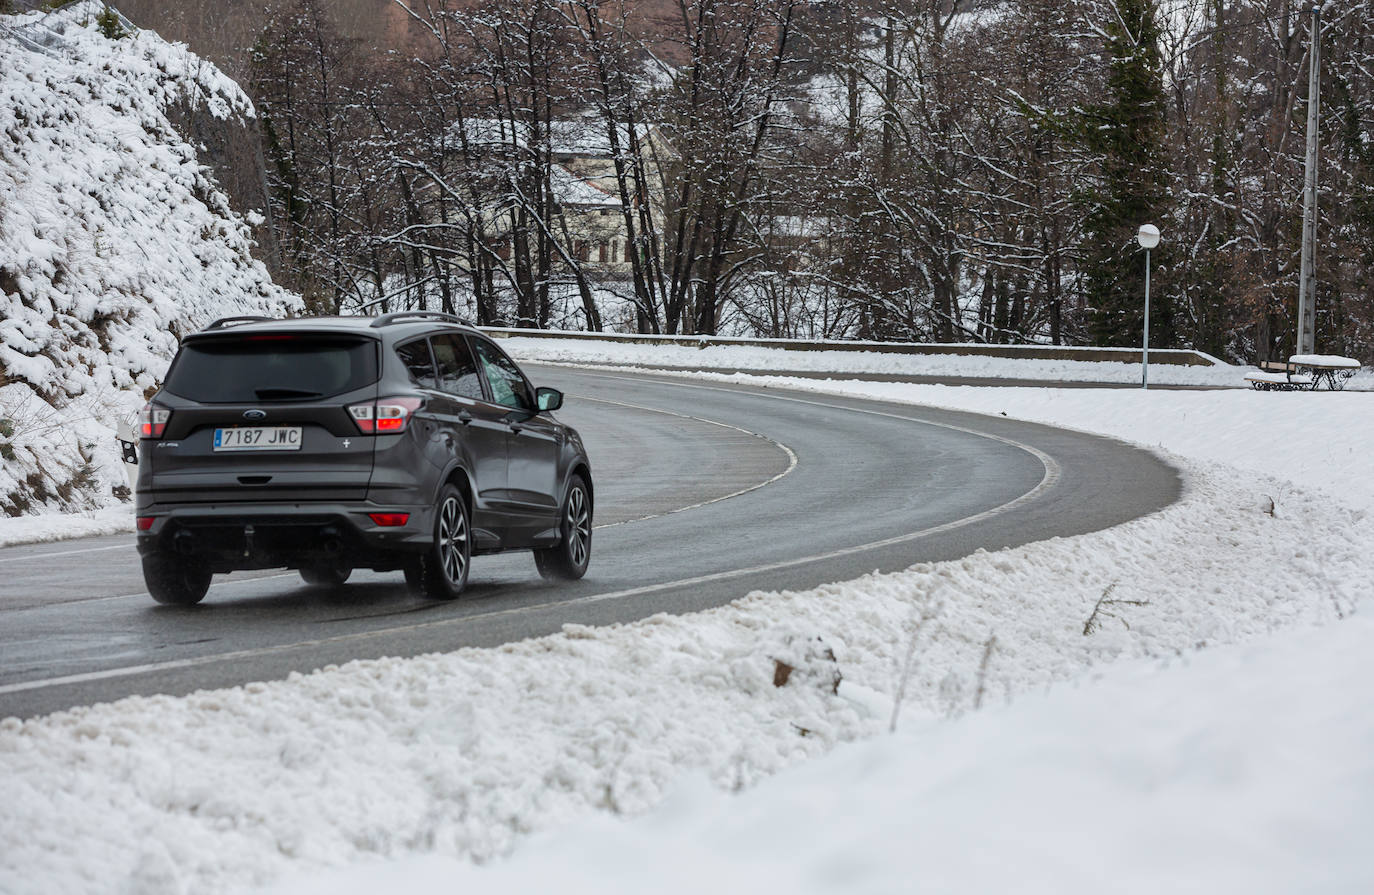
[1307,282]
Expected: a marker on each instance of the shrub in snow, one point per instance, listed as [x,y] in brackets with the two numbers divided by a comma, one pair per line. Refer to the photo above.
[109,25]
[114,241]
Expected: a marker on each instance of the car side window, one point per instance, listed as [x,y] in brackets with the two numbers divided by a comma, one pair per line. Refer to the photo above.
[415,355]
[508,386]
[457,372]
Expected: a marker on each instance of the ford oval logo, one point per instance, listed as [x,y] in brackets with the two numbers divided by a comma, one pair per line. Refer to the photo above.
[255,414]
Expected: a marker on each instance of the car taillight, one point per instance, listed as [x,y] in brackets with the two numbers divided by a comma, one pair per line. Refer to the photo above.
[389,520]
[385,416]
[144,523]
[152,420]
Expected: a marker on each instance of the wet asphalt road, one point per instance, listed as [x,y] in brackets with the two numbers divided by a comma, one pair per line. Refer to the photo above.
[704,493]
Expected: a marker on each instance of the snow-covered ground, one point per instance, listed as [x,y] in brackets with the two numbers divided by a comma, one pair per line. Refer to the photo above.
[42,527]
[1245,769]
[952,366]
[1214,755]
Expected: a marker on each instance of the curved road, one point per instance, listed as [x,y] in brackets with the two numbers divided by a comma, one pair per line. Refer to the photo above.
[704,493]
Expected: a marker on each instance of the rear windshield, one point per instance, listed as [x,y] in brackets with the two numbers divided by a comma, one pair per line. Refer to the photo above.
[251,369]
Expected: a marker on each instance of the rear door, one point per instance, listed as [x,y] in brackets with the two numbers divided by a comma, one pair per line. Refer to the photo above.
[264,417]
[532,445]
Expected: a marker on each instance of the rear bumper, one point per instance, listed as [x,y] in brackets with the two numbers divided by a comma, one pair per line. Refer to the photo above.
[238,536]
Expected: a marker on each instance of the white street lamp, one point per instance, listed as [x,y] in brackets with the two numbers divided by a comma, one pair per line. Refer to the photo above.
[1148,237]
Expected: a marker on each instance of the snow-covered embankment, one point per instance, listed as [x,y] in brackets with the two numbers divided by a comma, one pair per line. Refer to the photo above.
[114,241]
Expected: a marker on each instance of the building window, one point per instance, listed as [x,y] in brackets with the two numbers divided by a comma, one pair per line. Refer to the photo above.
[601,252]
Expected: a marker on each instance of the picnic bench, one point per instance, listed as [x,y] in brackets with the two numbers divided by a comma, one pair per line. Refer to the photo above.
[1304,372]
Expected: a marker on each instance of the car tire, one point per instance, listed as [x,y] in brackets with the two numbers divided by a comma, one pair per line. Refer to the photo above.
[176,580]
[441,572]
[326,573]
[568,560]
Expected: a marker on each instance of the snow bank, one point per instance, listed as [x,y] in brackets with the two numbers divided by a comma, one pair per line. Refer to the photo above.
[40,528]
[114,241]
[1247,769]
[952,366]
[468,753]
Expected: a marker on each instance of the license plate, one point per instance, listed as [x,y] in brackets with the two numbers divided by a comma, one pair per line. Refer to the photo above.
[258,438]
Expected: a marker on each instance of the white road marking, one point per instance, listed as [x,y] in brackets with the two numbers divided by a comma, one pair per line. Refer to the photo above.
[1050,478]
[33,556]
[791,460]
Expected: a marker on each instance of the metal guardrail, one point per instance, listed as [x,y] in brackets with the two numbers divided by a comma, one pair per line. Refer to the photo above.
[1172,356]
[38,35]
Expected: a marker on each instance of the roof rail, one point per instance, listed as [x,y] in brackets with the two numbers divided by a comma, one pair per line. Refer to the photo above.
[224,322]
[397,317]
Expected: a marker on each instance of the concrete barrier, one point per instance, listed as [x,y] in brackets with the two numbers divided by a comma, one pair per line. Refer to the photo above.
[1174,356]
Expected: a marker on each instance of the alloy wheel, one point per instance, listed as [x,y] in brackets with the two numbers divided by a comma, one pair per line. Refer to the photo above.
[579,526]
[453,540]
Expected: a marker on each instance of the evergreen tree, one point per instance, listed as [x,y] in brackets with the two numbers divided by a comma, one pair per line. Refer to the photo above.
[1128,131]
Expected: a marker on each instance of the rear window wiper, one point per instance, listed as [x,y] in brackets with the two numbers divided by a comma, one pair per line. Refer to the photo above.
[269,393]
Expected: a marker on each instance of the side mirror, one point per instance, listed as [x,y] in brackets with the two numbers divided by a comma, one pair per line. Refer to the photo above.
[548,398]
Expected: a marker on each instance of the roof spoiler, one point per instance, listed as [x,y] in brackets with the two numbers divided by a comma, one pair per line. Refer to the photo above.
[226,322]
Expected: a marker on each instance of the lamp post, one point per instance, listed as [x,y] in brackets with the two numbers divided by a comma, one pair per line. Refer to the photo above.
[1148,237]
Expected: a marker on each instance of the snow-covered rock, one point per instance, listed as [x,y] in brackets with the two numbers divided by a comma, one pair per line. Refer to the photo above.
[114,241]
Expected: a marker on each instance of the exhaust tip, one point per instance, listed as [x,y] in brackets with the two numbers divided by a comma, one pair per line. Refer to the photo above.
[331,541]
[184,543]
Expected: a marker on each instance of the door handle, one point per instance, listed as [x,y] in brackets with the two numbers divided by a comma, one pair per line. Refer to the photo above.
[464,417]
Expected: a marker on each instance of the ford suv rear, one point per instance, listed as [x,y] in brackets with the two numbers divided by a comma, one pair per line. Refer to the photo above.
[405,442]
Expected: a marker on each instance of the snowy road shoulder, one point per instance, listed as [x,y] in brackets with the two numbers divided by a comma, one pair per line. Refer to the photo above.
[876,362]
[47,527]
[1246,769]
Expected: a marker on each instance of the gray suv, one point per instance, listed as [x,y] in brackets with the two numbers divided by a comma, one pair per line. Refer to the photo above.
[404,442]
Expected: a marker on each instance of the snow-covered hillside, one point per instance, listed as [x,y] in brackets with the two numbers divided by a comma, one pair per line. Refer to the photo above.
[114,240]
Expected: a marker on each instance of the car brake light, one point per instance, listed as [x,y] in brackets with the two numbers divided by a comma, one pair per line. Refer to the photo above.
[152,420]
[389,520]
[385,416]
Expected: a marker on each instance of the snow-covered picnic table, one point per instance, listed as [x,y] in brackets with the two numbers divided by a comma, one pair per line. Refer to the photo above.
[1304,372]
[1332,369]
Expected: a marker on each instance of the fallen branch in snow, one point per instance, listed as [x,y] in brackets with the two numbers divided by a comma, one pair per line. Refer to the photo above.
[983,672]
[1281,493]
[924,613]
[1092,624]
